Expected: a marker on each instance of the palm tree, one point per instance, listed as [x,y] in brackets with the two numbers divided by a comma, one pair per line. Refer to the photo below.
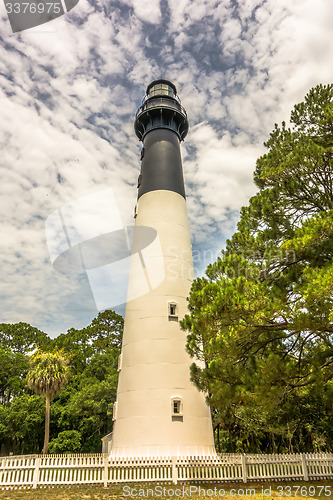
[47,376]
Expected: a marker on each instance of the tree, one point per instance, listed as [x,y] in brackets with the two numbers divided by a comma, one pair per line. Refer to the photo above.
[91,408]
[47,376]
[106,330]
[82,413]
[13,369]
[103,334]
[66,442]
[22,337]
[19,411]
[262,318]
[21,424]
[86,403]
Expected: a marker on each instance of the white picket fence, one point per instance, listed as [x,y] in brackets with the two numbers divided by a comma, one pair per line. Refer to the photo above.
[32,471]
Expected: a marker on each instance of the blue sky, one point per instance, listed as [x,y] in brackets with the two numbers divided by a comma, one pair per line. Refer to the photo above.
[69,91]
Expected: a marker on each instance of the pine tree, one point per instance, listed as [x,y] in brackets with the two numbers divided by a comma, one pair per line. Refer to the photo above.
[262,318]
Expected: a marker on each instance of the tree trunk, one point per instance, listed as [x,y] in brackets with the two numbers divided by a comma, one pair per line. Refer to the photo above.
[47,423]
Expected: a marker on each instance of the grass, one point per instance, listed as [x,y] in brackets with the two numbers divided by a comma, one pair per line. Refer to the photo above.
[227,491]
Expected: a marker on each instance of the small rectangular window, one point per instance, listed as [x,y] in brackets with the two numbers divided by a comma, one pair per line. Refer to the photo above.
[176,406]
[173,310]
[176,410]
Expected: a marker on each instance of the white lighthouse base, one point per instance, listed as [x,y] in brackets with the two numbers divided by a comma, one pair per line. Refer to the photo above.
[159,411]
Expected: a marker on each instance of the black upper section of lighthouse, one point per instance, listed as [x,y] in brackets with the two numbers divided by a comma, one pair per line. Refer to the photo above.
[161,108]
[161,123]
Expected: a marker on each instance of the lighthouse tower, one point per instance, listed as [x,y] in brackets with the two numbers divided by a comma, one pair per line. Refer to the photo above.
[159,412]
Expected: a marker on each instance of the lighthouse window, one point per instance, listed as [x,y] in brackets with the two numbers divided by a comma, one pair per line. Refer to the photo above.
[173,310]
[161,89]
[176,406]
[177,410]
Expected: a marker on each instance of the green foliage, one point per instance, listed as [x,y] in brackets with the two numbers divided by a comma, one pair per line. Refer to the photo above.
[261,319]
[22,338]
[104,333]
[91,410]
[48,373]
[13,369]
[66,442]
[21,423]
[87,403]
[82,412]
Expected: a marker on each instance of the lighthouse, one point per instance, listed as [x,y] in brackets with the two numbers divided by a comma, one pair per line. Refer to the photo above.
[159,412]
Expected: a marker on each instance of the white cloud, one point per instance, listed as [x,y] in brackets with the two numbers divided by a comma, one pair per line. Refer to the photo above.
[146,10]
[69,92]
[223,173]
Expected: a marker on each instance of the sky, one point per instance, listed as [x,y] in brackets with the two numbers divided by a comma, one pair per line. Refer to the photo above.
[69,91]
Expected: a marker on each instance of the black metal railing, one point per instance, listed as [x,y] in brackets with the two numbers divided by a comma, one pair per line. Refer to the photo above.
[161,102]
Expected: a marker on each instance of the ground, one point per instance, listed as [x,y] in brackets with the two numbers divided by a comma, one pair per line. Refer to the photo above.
[226,491]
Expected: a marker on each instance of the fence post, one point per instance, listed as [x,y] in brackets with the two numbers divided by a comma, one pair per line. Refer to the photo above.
[36,473]
[304,467]
[174,470]
[105,470]
[244,470]
[3,471]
